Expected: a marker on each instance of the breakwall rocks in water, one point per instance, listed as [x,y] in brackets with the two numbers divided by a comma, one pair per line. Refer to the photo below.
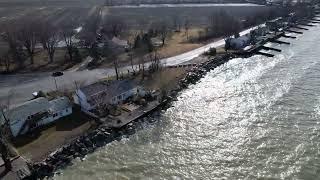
[76,149]
[103,135]
[200,70]
[86,144]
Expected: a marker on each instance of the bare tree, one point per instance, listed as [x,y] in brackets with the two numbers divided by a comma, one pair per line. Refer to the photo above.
[109,3]
[154,58]
[221,24]
[100,106]
[187,27]
[5,155]
[108,53]
[142,66]
[176,22]
[114,26]
[163,31]
[116,67]
[28,36]
[49,38]
[6,150]
[68,33]
[5,60]
[90,33]
[131,61]
[10,35]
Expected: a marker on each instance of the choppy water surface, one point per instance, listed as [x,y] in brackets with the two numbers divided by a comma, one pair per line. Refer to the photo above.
[250,118]
[187,5]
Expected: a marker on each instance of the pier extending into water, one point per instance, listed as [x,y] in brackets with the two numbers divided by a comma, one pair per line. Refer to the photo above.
[273,37]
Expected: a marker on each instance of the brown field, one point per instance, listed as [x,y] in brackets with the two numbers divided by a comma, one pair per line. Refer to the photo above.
[198,16]
[78,11]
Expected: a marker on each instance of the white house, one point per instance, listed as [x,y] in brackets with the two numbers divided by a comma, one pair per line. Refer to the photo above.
[90,96]
[120,42]
[37,112]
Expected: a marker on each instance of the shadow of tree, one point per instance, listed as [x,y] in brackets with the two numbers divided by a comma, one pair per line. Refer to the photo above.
[3,173]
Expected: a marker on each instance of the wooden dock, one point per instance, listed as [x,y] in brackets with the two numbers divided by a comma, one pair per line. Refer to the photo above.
[273,37]
[293,31]
[260,45]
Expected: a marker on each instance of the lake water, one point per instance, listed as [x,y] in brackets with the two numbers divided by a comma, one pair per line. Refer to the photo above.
[249,118]
[188,5]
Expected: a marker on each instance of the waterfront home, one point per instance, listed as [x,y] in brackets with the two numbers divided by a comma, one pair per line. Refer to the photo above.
[258,34]
[238,43]
[35,113]
[275,24]
[120,42]
[89,97]
[156,42]
[260,31]
[117,45]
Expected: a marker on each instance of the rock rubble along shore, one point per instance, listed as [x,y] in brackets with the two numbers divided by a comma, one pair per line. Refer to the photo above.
[103,135]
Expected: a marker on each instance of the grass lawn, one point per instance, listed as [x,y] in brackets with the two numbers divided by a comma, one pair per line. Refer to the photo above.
[42,64]
[37,145]
[166,78]
[175,45]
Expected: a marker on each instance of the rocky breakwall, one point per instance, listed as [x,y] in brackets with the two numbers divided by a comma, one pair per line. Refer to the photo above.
[84,145]
[200,70]
[76,149]
[103,135]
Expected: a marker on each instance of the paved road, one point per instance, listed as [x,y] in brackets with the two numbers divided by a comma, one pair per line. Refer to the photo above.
[21,86]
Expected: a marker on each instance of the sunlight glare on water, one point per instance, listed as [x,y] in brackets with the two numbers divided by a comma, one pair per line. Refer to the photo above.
[247,119]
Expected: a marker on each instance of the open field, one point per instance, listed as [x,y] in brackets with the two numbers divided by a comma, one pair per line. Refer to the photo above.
[52,3]
[198,16]
[136,19]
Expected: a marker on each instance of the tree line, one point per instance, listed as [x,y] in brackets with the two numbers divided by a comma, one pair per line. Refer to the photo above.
[26,36]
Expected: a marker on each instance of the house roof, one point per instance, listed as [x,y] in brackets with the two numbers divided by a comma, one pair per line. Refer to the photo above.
[59,104]
[2,119]
[156,41]
[119,42]
[26,109]
[111,89]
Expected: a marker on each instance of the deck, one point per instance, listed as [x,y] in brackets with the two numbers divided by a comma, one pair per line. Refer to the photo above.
[127,117]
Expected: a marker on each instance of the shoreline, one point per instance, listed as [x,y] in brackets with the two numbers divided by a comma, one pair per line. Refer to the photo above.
[103,135]
[193,5]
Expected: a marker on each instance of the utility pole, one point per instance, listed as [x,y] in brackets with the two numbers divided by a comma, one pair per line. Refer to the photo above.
[55,82]
[54,75]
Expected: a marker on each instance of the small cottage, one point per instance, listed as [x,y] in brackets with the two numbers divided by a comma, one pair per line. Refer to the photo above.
[35,113]
[90,96]
[120,42]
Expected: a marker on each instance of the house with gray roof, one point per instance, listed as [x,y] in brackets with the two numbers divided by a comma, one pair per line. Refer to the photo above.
[238,43]
[27,116]
[88,97]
